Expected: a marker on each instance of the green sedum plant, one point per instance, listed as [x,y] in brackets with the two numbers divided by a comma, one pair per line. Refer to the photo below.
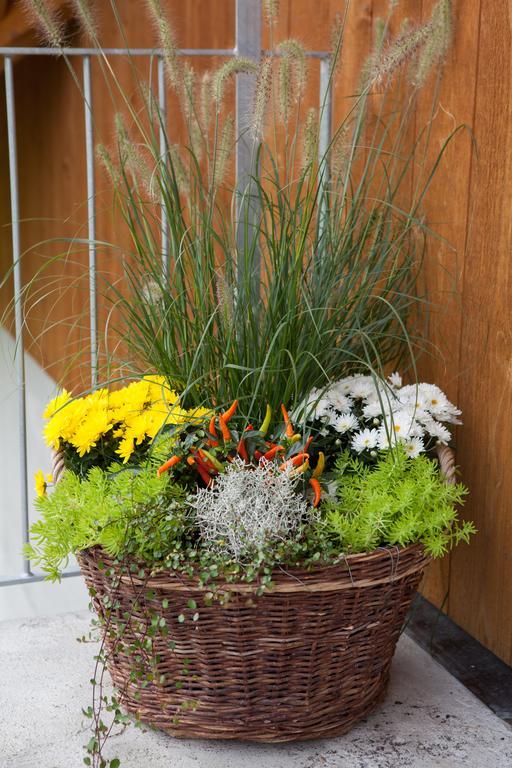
[398,501]
[128,512]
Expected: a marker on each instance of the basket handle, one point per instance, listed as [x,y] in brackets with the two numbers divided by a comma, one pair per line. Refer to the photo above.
[446,458]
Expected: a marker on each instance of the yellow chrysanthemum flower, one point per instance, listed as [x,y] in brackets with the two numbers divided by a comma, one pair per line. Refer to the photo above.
[40,483]
[95,425]
[65,422]
[57,403]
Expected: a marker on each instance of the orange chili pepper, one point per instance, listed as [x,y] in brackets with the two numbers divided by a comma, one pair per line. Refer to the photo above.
[226,434]
[213,432]
[317,490]
[191,460]
[299,470]
[230,411]
[242,450]
[271,454]
[168,464]
[206,461]
[295,461]
[308,442]
[289,425]
[205,477]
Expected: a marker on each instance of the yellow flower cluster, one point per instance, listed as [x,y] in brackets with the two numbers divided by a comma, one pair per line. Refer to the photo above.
[134,413]
[41,482]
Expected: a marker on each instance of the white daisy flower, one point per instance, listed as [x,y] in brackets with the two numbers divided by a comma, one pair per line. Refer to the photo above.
[398,427]
[345,385]
[330,417]
[345,422]
[365,440]
[411,396]
[401,423]
[395,380]
[322,408]
[450,416]
[363,387]
[414,447]
[436,400]
[441,433]
[372,410]
[338,400]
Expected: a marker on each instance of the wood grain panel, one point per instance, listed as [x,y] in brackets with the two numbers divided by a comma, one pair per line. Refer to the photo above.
[448,215]
[481,578]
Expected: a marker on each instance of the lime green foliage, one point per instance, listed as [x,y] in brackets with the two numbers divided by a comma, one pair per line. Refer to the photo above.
[398,501]
[127,512]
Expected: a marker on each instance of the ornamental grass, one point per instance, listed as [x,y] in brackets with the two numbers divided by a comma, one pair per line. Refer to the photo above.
[303,271]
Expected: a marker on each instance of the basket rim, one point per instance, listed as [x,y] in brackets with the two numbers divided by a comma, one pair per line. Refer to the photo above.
[362,569]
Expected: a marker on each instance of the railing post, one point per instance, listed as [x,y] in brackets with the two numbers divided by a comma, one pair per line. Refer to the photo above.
[162,116]
[19,320]
[91,218]
[324,139]
[248,45]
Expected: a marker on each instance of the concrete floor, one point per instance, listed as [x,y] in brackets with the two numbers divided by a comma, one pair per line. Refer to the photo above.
[427,721]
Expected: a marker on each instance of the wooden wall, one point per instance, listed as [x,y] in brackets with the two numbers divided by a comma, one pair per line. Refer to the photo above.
[470,280]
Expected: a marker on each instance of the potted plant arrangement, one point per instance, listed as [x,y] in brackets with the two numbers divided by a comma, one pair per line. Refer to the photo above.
[251,581]
[254,510]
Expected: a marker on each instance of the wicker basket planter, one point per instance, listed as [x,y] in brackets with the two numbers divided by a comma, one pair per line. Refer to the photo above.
[307,659]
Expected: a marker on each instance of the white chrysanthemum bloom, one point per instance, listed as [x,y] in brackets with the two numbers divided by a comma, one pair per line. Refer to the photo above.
[345,422]
[411,396]
[247,509]
[373,410]
[395,380]
[437,430]
[436,400]
[414,447]
[363,388]
[365,440]
[398,427]
[322,408]
[339,400]
[345,385]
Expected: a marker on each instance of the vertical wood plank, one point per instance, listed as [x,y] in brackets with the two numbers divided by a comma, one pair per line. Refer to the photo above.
[447,215]
[481,578]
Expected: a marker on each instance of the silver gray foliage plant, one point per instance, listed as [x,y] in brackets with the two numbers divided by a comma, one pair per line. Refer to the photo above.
[248,510]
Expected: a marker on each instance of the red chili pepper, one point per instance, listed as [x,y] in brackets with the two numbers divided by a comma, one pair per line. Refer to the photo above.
[226,434]
[308,442]
[271,454]
[258,455]
[213,432]
[205,477]
[249,427]
[168,464]
[295,461]
[230,411]
[242,450]
[317,489]
[289,425]
[206,463]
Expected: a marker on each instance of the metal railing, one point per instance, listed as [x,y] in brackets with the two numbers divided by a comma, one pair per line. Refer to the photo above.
[248,44]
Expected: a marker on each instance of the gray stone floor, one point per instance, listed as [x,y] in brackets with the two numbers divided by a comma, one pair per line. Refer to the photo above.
[427,721]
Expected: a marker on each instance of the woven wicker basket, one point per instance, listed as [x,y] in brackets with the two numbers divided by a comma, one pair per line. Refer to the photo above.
[307,659]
